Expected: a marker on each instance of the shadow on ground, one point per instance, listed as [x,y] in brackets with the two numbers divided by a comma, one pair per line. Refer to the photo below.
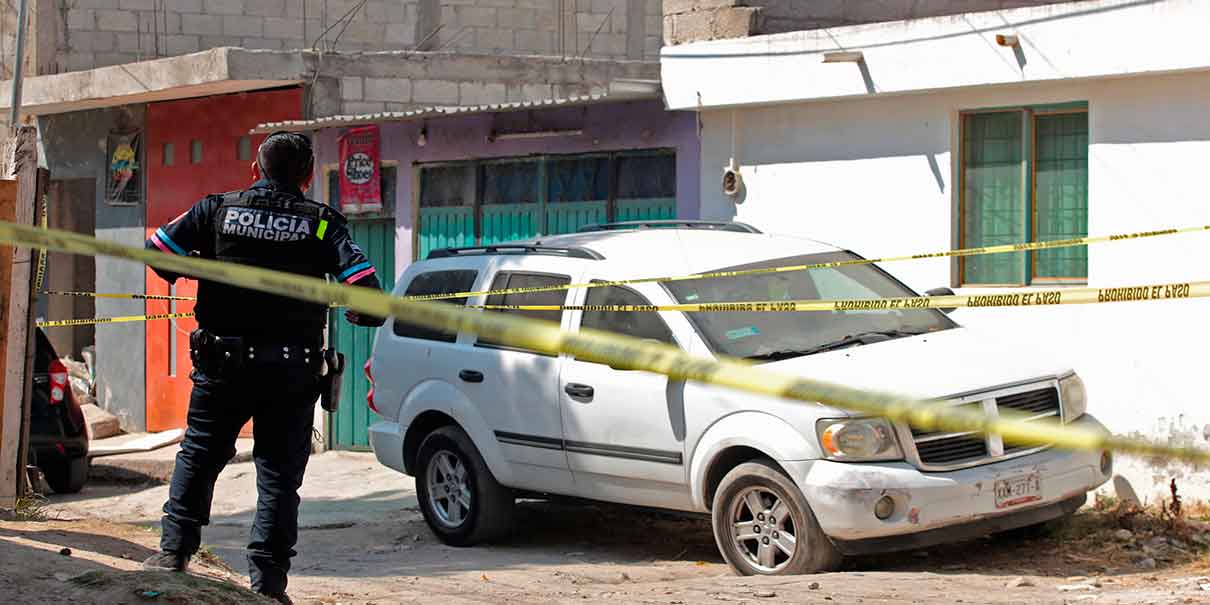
[547,534]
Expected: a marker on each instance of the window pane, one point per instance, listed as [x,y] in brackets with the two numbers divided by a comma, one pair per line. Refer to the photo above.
[195,151]
[528,280]
[243,150]
[1061,192]
[436,282]
[447,186]
[648,175]
[581,179]
[993,203]
[510,183]
[638,324]
[169,154]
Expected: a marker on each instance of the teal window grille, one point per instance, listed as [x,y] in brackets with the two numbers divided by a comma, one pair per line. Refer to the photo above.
[1024,178]
[492,201]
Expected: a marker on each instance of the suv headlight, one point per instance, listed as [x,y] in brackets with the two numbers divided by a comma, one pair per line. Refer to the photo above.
[1075,401]
[858,439]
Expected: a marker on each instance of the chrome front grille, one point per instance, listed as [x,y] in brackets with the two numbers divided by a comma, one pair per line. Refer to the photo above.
[935,450]
[1041,403]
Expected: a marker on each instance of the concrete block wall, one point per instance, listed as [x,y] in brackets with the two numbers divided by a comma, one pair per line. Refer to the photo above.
[378,82]
[695,20]
[97,33]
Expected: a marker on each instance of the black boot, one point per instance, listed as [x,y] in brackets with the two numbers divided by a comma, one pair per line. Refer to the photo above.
[166,561]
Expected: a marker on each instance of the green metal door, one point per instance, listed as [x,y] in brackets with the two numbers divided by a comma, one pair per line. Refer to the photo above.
[348,428]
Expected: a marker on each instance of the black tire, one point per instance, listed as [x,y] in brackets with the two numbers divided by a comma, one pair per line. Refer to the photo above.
[490,513]
[812,551]
[68,476]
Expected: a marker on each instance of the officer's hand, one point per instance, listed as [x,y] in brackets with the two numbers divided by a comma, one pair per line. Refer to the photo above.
[358,319]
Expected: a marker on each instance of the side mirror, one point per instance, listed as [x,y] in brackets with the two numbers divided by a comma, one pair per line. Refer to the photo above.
[942,292]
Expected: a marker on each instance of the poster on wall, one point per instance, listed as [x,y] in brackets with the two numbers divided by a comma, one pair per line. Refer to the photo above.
[360,180]
[122,168]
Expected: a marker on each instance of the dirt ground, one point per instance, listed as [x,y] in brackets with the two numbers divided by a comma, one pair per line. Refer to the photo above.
[363,541]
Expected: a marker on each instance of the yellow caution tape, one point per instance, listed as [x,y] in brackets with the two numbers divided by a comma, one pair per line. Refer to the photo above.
[116,295]
[41,273]
[1038,298]
[613,349]
[1024,247]
[109,320]
[1066,243]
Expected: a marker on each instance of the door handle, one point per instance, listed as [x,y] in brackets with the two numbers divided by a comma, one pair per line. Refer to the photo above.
[471,376]
[576,389]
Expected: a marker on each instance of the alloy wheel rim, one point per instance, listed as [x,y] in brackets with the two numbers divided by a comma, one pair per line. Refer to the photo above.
[449,489]
[762,529]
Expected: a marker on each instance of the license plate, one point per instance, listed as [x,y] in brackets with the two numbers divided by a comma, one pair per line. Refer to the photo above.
[1018,490]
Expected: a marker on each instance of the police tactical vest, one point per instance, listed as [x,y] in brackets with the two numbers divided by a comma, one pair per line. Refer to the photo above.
[276,230]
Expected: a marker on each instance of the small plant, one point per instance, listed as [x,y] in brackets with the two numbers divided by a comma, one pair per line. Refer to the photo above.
[1104,502]
[206,555]
[30,507]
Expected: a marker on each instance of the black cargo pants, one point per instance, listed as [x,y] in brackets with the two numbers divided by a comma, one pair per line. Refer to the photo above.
[280,399]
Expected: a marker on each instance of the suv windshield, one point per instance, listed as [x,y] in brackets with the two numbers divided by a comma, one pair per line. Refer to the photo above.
[780,335]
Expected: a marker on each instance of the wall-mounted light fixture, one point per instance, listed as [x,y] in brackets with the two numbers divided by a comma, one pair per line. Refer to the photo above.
[847,56]
[1009,40]
[422,139]
[539,134]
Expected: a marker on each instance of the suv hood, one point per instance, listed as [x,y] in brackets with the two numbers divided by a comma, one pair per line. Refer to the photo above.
[928,366]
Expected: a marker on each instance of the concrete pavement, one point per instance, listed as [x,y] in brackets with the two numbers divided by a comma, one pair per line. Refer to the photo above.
[340,487]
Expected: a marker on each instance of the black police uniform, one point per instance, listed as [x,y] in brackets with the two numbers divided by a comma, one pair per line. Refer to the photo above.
[256,356]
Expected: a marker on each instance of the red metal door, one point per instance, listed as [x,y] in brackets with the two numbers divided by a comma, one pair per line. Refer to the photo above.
[194,148]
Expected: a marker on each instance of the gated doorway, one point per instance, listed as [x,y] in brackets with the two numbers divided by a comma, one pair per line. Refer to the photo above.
[195,147]
[375,233]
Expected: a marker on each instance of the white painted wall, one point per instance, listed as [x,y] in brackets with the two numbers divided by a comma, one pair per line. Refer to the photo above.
[1093,39]
[877,175]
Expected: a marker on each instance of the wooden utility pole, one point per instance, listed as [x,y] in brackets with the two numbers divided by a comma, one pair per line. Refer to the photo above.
[16,326]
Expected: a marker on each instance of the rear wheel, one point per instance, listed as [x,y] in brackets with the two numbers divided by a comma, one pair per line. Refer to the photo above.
[764,526]
[459,497]
[66,476]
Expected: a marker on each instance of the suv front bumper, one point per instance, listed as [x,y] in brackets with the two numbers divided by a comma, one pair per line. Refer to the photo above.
[937,507]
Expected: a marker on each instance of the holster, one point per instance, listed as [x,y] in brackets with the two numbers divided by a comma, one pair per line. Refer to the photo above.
[330,380]
[215,356]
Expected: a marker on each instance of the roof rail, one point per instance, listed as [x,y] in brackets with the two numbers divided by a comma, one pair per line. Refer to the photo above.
[569,252]
[673,224]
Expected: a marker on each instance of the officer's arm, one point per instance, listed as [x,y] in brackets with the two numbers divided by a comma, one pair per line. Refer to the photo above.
[352,267]
[186,234]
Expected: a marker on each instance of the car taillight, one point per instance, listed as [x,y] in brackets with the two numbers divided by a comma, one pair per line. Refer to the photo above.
[370,393]
[58,382]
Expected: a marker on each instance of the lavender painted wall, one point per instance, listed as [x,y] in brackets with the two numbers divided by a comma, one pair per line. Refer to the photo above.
[606,127]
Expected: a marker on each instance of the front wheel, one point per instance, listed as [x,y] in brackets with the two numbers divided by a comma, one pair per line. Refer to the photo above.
[460,498]
[764,526]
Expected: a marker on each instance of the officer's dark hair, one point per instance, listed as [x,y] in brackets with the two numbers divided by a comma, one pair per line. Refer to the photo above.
[286,157]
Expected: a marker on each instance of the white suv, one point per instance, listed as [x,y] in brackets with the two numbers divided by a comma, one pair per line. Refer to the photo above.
[791,487]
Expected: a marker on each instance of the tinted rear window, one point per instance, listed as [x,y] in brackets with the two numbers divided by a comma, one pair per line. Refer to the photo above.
[436,282]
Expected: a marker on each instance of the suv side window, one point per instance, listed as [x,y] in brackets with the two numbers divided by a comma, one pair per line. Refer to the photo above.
[514,279]
[436,282]
[639,325]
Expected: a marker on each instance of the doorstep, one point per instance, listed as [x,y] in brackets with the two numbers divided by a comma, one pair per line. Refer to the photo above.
[121,463]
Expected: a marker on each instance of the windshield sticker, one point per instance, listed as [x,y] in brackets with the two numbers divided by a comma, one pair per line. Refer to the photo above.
[691,297]
[739,333]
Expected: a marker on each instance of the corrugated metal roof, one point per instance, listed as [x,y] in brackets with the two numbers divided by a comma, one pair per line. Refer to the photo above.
[436,111]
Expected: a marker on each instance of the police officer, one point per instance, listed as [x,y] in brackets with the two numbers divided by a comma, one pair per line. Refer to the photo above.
[256,355]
